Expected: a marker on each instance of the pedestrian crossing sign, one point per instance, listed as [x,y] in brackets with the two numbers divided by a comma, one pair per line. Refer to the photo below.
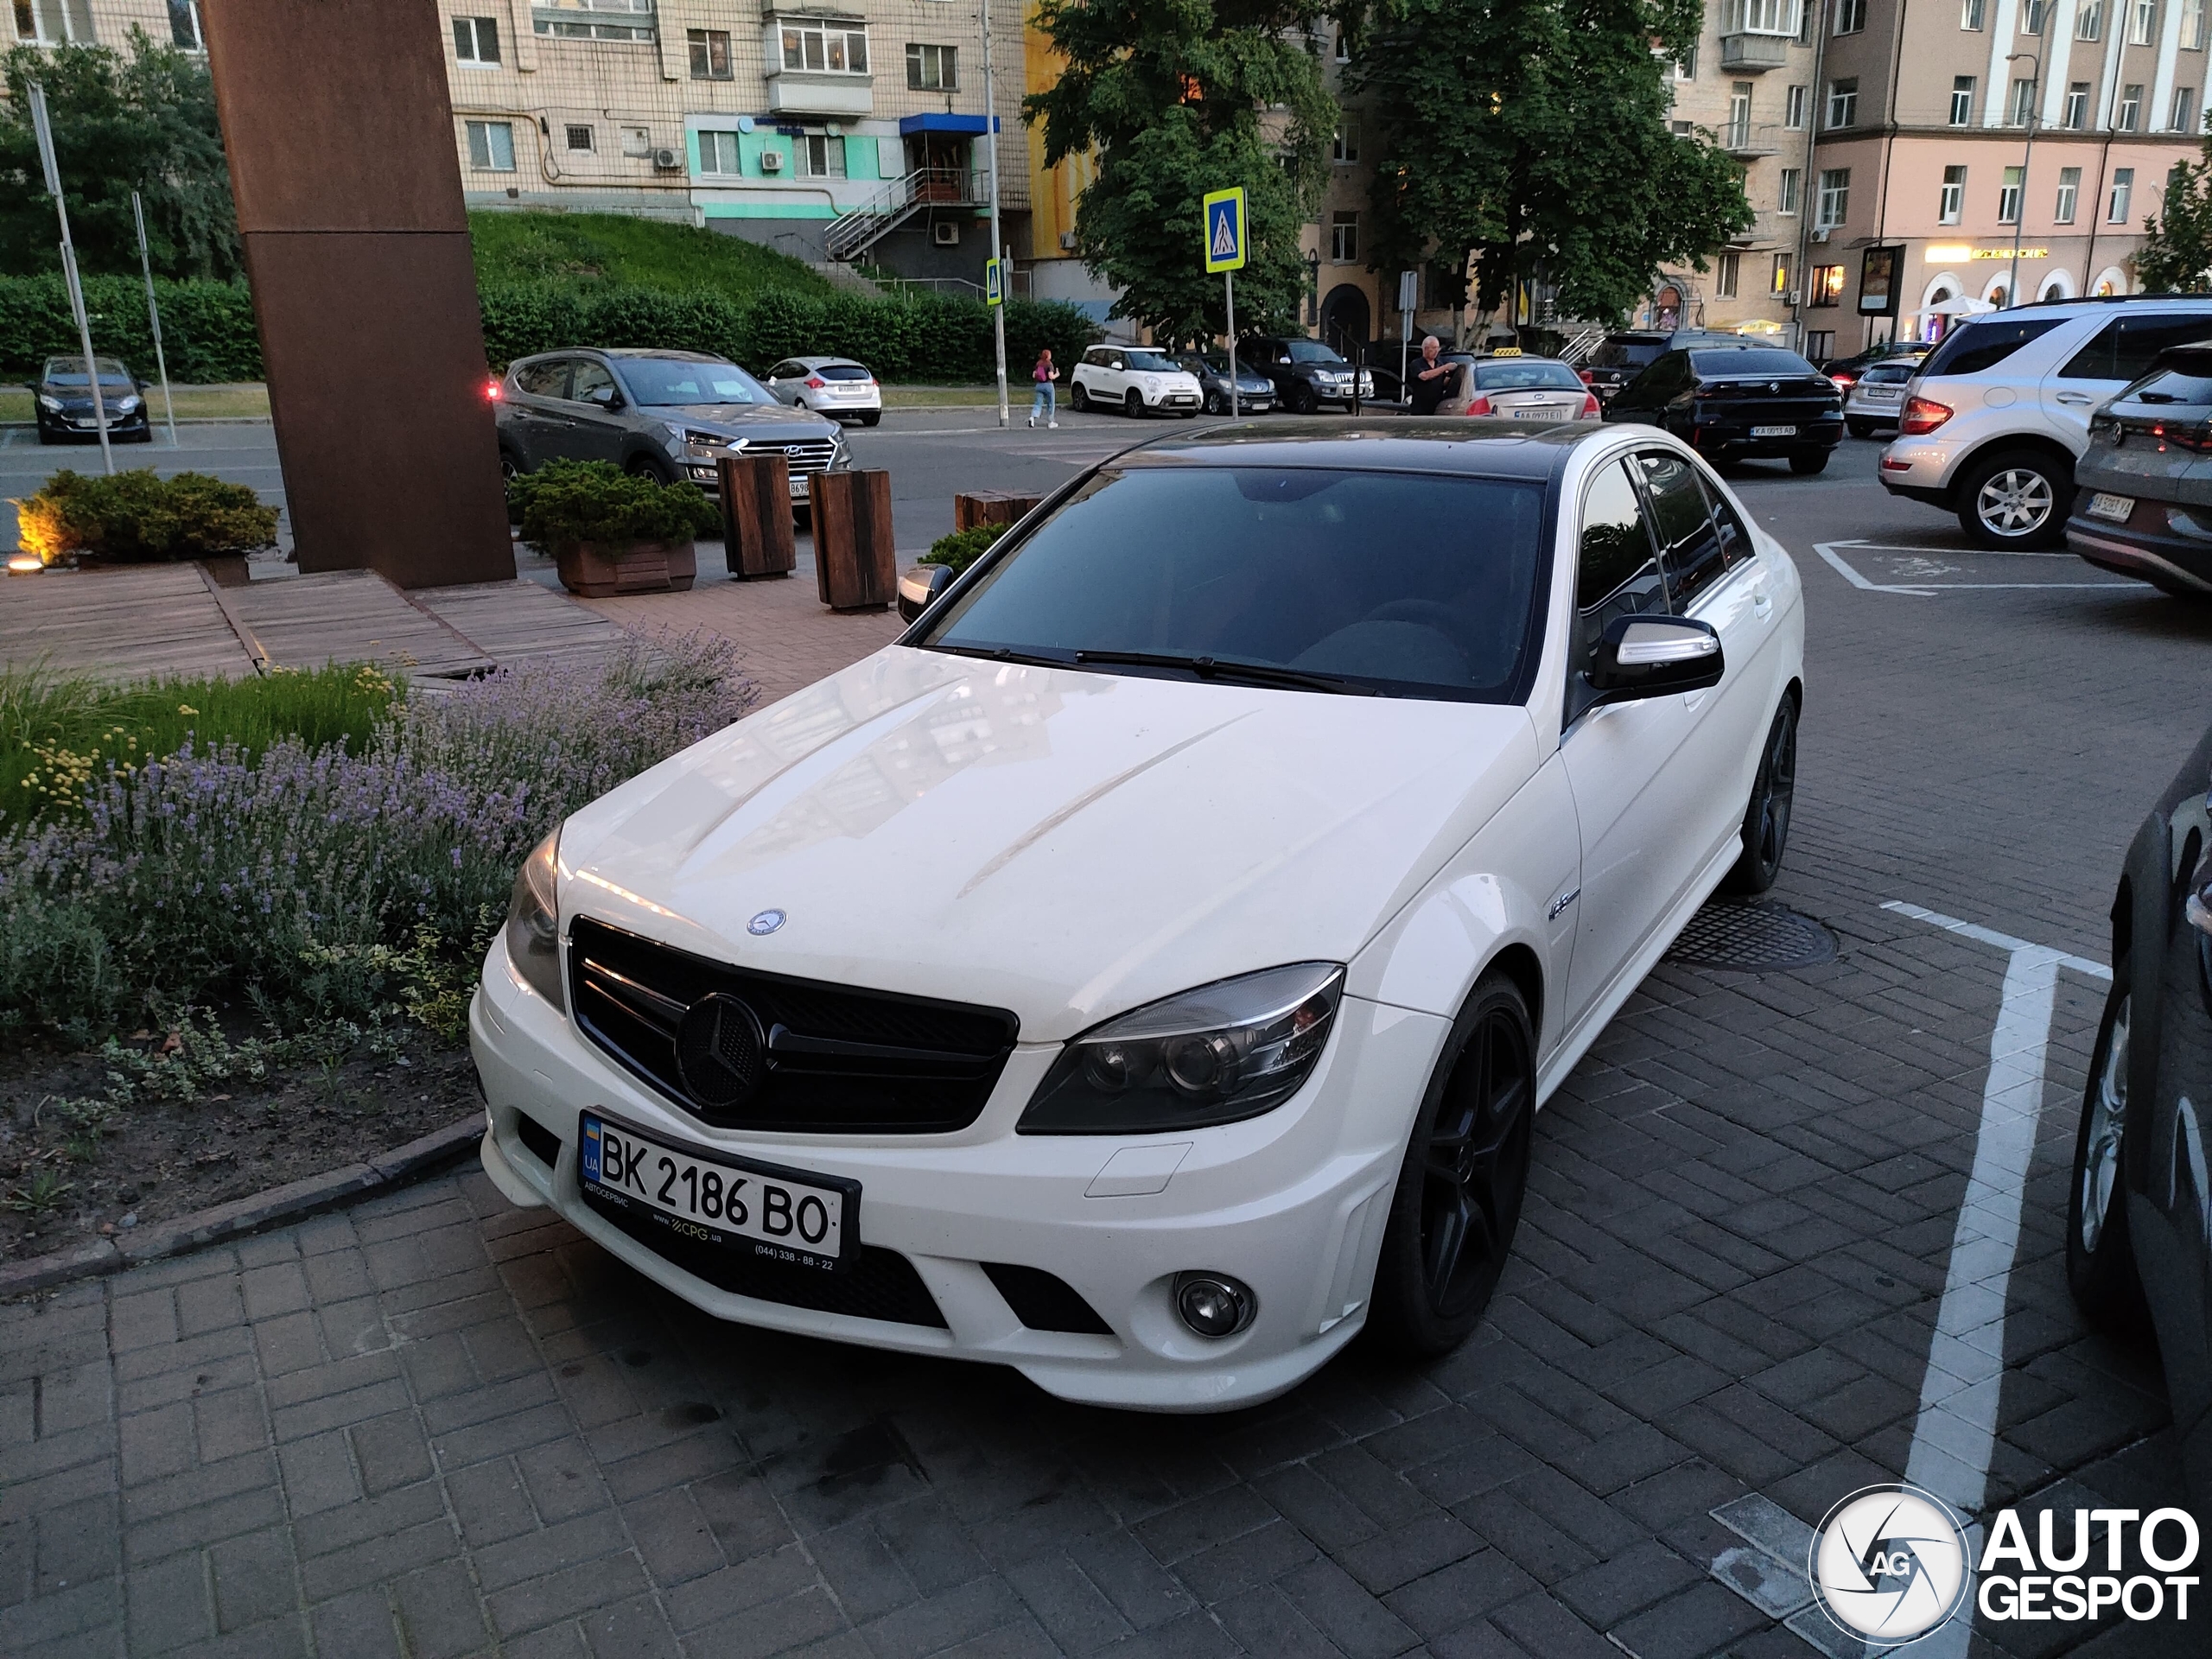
[1224,225]
[993,282]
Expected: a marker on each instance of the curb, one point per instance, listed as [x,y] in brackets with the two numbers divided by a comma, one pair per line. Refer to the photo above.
[292,1202]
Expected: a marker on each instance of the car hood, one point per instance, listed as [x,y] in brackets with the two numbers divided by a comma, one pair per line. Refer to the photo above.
[1062,843]
[747,420]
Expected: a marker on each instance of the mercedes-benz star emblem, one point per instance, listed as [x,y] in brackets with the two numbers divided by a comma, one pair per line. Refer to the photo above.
[719,1053]
[766,922]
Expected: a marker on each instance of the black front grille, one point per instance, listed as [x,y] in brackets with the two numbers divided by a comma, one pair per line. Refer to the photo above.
[839,1060]
[880,1284]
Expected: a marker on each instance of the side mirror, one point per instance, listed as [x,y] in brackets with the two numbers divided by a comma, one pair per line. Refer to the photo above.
[1654,655]
[605,397]
[920,587]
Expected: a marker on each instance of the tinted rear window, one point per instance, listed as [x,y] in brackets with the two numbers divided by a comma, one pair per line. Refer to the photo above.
[1888,374]
[1976,347]
[1627,353]
[2181,379]
[842,371]
[1725,362]
[2125,347]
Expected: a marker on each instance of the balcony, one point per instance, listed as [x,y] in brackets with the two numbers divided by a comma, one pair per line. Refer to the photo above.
[1747,142]
[1754,54]
[1767,230]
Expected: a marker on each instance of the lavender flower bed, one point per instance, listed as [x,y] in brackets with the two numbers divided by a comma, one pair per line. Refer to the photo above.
[288,880]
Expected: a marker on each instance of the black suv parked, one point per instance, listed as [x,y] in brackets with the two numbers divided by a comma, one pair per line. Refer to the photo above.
[1736,402]
[1306,374]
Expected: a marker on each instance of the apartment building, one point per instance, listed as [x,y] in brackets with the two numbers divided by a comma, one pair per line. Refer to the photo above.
[851,131]
[1954,132]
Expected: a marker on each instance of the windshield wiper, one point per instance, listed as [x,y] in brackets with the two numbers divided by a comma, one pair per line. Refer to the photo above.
[1002,654]
[1212,668]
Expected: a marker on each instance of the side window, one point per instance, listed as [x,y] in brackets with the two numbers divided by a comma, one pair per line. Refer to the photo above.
[589,377]
[1735,548]
[2124,347]
[1113,360]
[1617,571]
[547,379]
[1689,551]
[784,371]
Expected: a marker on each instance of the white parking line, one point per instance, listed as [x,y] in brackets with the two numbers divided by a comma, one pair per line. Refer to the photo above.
[1956,1430]
[1843,567]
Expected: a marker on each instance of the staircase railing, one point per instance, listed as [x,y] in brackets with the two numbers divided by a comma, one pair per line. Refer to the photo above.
[858,229]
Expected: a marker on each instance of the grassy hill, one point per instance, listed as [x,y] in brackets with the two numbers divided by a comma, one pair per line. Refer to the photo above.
[589,249]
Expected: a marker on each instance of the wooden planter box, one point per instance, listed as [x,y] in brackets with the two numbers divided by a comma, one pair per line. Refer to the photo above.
[757,539]
[603,569]
[856,567]
[976,507]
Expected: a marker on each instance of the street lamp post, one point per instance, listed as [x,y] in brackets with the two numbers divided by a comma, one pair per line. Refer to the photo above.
[2027,154]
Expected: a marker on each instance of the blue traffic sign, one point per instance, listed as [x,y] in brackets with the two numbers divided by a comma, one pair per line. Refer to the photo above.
[1225,228]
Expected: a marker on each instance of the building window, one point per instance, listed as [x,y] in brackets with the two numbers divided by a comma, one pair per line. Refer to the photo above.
[2192,25]
[1850,17]
[1843,102]
[1728,274]
[1344,47]
[1952,207]
[2183,117]
[1827,286]
[2008,198]
[2032,16]
[1820,344]
[718,153]
[1793,108]
[709,53]
[817,155]
[1787,186]
[184,26]
[2089,24]
[2130,107]
[1686,66]
[2143,22]
[579,20]
[2123,194]
[579,137]
[2024,102]
[1961,100]
[933,68]
[2077,105]
[1739,115]
[59,22]
[1344,237]
[824,51]
[1974,14]
[1784,270]
[2069,191]
[476,40]
[1345,148]
[1834,205]
[491,146]
[1781,17]
[637,141]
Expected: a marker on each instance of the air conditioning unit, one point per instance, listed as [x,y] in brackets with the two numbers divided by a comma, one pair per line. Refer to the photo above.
[1067,241]
[946,233]
[669,160]
[1822,235]
[772,161]
[1790,299]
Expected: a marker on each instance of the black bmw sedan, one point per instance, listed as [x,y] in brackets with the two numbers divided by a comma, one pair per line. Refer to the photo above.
[2139,1227]
[1738,403]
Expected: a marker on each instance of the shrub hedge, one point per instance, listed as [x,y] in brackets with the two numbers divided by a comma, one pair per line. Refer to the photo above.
[565,502]
[208,329]
[140,515]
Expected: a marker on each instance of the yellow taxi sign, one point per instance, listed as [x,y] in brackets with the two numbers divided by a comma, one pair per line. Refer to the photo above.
[1507,351]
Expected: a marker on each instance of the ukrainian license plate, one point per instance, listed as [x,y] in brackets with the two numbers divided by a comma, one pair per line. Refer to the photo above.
[785,1215]
[1774,431]
[798,488]
[2117,509]
[1879,394]
[1540,412]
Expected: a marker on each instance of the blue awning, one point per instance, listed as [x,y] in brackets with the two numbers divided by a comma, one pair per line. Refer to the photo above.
[973,123]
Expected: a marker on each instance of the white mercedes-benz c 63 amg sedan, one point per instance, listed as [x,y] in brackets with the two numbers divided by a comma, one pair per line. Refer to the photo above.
[1145,973]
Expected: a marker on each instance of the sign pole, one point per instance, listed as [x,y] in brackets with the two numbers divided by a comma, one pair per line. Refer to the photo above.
[998,243]
[45,131]
[1229,304]
[1406,297]
[153,315]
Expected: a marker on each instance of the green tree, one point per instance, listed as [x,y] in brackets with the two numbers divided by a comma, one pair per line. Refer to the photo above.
[1533,135]
[143,121]
[2176,257]
[1181,98]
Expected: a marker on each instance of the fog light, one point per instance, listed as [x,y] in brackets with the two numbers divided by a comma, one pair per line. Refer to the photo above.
[1213,1304]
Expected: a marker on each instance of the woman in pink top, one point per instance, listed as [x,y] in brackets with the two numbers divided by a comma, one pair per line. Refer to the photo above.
[1044,374]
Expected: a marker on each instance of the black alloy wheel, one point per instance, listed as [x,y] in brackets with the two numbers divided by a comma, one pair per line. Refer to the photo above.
[510,467]
[1766,819]
[647,467]
[1806,462]
[1302,400]
[2100,1257]
[1460,1189]
[1133,405]
[872,417]
[1215,403]
[1860,429]
[1078,399]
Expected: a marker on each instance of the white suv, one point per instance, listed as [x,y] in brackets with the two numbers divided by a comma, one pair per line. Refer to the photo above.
[1995,417]
[1135,379]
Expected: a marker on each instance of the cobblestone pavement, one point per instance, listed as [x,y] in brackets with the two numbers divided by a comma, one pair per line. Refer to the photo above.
[434,1425]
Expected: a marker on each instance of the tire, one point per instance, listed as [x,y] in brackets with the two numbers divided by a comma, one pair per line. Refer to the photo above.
[648,466]
[802,518]
[1860,429]
[2018,499]
[1461,1186]
[872,417]
[1215,403]
[1302,400]
[1806,465]
[1133,405]
[2100,1257]
[1766,818]
[511,467]
[1078,399]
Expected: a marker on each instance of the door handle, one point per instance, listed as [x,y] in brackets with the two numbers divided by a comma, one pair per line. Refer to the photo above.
[2075,397]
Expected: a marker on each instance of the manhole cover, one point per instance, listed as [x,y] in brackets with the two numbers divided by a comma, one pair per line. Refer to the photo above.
[1753,938]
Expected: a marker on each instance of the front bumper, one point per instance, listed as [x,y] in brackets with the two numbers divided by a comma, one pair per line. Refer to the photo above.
[1293,1203]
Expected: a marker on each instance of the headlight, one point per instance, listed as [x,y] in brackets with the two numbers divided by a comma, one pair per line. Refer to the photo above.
[45,402]
[534,923]
[124,405]
[1224,1052]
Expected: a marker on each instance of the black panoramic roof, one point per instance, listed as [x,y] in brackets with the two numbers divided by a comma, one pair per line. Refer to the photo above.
[1494,448]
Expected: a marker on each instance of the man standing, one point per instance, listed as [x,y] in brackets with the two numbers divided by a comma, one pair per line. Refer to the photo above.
[1434,380]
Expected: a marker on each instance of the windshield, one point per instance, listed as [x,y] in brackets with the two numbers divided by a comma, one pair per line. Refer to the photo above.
[1627,353]
[1152,363]
[1302,571]
[1311,351]
[672,380]
[1753,361]
[1526,375]
[70,371]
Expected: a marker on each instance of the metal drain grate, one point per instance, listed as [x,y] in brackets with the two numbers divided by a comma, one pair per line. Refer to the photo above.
[1753,938]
